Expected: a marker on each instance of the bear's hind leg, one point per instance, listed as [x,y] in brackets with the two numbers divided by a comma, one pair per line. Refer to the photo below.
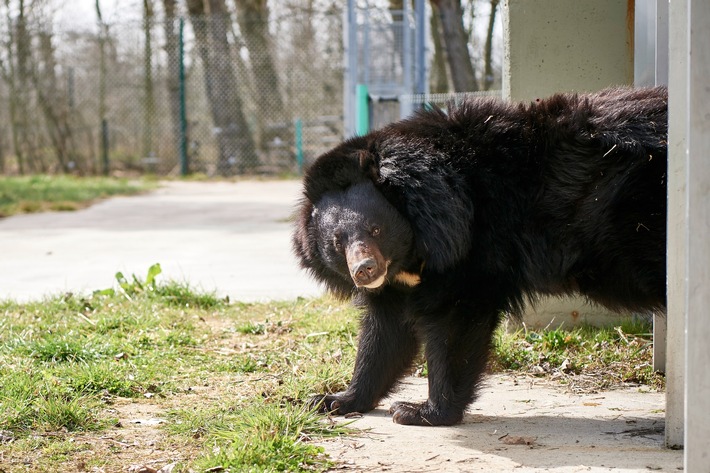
[456,351]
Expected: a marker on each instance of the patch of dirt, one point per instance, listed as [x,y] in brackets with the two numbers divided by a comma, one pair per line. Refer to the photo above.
[135,444]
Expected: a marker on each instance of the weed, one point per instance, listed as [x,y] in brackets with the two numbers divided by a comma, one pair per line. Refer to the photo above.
[268,437]
[610,356]
[172,292]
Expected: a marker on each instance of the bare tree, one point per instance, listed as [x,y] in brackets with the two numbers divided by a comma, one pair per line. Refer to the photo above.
[456,43]
[253,19]
[173,76]
[149,97]
[2,152]
[488,50]
[440,77]
[53,105]
[17,94]
[211,24]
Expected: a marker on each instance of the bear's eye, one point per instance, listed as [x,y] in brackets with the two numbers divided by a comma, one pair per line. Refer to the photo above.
[375,231]
[336,243]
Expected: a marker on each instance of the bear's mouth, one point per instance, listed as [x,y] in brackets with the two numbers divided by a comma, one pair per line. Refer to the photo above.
[366,264]
[370,281]
[377,283]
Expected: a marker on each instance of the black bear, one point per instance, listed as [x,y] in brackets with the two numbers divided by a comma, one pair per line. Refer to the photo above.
[440,223]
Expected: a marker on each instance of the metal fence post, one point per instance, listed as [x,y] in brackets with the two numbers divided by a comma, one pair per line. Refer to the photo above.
[184,165]
[104,146]
[299,144]
[362,110]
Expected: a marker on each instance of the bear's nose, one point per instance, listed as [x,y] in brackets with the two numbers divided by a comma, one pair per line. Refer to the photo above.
[364,271]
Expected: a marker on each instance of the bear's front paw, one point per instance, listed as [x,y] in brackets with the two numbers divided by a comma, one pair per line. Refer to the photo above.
[411,413]
[338,404]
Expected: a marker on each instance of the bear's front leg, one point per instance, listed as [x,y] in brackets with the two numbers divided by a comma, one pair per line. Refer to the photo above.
[386,348]
[457,349]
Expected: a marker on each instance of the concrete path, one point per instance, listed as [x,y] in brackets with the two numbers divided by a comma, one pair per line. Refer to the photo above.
[233,238]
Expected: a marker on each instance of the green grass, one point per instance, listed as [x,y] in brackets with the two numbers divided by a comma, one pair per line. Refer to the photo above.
[72,367]
[224,382]
[258,437]
[607,356]
[30,194]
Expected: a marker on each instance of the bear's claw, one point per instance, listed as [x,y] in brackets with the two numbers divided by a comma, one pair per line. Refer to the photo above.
[411,413]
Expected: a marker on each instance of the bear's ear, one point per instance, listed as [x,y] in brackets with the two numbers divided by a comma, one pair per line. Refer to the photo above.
[303,242]
[339,168]
[368,165]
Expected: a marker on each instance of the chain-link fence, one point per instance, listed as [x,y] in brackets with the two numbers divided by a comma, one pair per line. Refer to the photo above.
[245,91]
[225,97]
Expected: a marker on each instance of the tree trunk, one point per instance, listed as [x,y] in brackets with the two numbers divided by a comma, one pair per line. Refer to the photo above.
[19,67]
[53,106]
[488,53]
[7,69]
[2,152]
[439,72]
[236,145]
[149,97]
[253,19]
[103,37]
[173,79]
[456,42]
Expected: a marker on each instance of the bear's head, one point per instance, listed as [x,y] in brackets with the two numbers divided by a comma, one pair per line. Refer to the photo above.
[395,181]
[354,238]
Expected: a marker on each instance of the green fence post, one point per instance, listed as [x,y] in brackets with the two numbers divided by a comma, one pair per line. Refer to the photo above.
[184,165]
[104,146]
[299,144]
[362,110]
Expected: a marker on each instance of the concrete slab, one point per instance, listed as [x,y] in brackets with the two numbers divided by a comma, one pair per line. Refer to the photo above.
[517,424]
[233,238]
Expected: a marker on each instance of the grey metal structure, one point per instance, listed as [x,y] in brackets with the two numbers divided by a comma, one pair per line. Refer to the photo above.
[386,51]
[651,43]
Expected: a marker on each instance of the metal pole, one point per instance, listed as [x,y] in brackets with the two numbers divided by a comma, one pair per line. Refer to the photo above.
[104,146]
[420,63]
[351,70]
[299,144]
[184,165]
[405,107]
[362,110]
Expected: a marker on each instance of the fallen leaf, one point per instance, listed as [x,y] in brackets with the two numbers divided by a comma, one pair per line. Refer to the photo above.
[168,468]
[565,366]
[151,421]
[142,469]
[512,440]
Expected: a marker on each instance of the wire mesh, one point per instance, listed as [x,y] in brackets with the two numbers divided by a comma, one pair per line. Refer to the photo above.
[257,94]
[243,93]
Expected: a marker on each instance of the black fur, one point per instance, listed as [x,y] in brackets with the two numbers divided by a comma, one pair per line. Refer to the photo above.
[468,214]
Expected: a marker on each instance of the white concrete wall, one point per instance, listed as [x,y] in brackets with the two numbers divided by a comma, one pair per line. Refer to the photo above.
[562,45]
